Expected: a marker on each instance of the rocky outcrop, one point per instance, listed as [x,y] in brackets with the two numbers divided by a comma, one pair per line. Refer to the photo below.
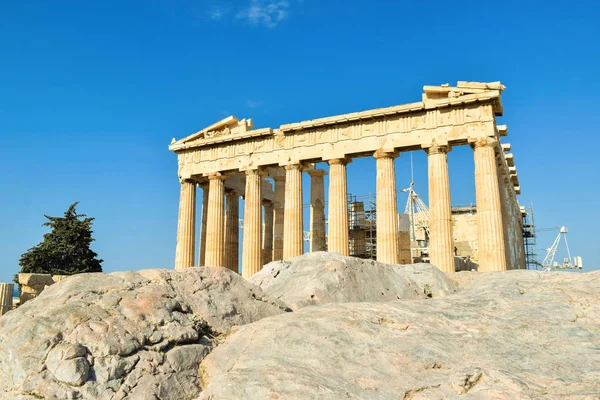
[322,278]
[136,335]
[516,334]
[362,330]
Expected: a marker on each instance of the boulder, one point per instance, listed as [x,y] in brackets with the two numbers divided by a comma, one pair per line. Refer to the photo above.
[322,278]
[515,334]
[130,335]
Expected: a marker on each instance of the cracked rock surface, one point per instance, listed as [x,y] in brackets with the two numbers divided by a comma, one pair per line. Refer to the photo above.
[322,278]
[505,335]
[134,335]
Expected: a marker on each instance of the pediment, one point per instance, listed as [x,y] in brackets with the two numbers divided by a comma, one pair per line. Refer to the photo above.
[225,127]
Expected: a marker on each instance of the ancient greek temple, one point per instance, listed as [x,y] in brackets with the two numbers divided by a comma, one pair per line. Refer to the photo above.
[230,159]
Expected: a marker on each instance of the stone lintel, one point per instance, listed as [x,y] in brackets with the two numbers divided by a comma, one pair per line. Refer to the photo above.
[236,183]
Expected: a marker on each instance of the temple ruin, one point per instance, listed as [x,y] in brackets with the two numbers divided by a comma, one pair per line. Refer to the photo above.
[230,159]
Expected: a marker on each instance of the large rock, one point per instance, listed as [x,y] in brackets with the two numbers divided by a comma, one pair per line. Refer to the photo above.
[322,278]
[517,335]
[136,335]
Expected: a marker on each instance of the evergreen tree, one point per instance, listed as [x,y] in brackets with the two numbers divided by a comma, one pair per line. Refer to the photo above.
[66,249]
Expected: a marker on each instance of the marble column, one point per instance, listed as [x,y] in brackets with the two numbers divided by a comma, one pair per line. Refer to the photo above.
[278,217]
[491,245]
[441,242]
[338,236]
[6,297]
[267,252]
[521,263]
[251,252]
[506,212]
[293,235]
[186,238]
[232,230]
[387,210]
[202,252]
[215,222]
[317,210]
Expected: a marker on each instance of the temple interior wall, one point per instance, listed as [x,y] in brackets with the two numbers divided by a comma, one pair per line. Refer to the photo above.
[464,229]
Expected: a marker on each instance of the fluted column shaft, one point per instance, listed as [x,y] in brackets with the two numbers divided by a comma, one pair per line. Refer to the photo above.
[232,231]
[186,238]
[252,250]
[267,253]
[202,252]
[317,210]
[6,297]
[338,240]
[215,222]
[293,230]
[441,243]
[491,245]
[278,217]
[507,217]
[387,211]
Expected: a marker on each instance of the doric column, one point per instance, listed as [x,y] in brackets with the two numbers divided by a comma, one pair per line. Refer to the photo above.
[441,243]
[251,252]
[186,238]
[267,252]
[521,263]
[6,297]
[387,213]
[293,233]
[232,231]
[317,210]
[215,222]
[506,212]
[337,238]
[202,252]
[278,217]
[491,245]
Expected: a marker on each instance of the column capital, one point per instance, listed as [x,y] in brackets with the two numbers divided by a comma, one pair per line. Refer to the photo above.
[256,171]
[385,153]
[339,161]
[267,203]
[483,142]
[185,180]
[216,175]
[317,172]
[292,167]
[437,149]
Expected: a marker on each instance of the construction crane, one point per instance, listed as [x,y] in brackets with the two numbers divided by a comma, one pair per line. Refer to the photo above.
[568,263]
[414,205]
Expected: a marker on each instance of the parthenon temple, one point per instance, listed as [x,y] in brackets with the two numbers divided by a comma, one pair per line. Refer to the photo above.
[230,159]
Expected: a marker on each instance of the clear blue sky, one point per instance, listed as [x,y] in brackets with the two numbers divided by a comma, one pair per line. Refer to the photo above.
[92,92]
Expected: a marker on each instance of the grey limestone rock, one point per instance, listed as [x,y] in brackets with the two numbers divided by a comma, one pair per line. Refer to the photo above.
[135,335]
[321,278]
[505,335]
